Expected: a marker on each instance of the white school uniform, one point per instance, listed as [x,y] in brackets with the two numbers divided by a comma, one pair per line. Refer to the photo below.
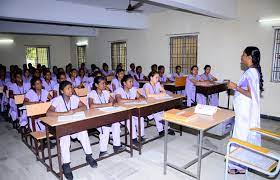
[175,75]
[62,106]
[116,83]
[132,94]
[190,90]
[49,86]
[26,79]
[4,99]
[132,73]
[56,88]
[75,83]
[156,116]
[163,78]
[54,78]
[140,77]
[83,79]
[105,130]
[213,98]
[107,73]
[16,90]
[32,96]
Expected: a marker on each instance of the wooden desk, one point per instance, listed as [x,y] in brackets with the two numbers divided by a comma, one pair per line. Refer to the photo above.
[171,86]
[151,107]
[94,118]
[200,123]
[209,88]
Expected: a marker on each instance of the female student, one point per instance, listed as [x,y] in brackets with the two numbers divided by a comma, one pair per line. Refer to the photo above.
[26,76]
[116,83]
[35,95]
[47,82]
[247,101]
[105,70]
[66,104]
[138,76]
[132,69]
[162,76]
[83,78]
[176,74]
[154,67]
[60,77]
[99,97]
[208,77]
[191,80]
[154,89]
[128,93]
[54,73]
[76,83]
[19,87]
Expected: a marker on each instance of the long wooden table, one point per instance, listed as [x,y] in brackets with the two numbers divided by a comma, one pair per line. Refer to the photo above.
[198,122]
[153,105]
[94,118]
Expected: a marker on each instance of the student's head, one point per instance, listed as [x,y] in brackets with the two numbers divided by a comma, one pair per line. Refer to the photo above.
[17,77]
[65,88]
[99,83]
[154,67]
[207,69]
[154,77]
[39,66]
[138,69]
[30,65]
[83,65]
[68,69]
[24,66]
[119,74]
[26,72]
[92,66]
[73,73]
[132,66]
[47,75]
[97,73]
[105,67]
[178,69]
[82,72]
[161,69]
[194,70]
[60,70]
[127,81]
[55,70]
[251,57]
[36,83]
[61,77]
[37,73]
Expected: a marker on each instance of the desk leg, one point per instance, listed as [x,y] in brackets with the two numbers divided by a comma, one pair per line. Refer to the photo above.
[59,158]
[139,134]
[130,135]
[199,154]
[49,149]
[125,131]
[165,147]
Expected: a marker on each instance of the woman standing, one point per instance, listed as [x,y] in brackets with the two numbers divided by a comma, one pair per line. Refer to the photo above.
[247,101]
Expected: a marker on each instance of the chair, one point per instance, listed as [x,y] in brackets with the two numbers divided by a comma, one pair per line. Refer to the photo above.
[255,157]
[81,92]
[19,98]
[180,81]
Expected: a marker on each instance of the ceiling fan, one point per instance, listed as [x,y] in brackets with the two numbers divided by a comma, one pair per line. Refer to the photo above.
[130,8]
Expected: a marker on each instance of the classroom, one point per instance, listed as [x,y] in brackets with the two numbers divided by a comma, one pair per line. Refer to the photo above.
[139,89]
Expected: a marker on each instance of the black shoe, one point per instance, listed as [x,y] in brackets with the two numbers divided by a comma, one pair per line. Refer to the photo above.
[118,148]
[92,162]
[135,142]
[67,171]
[161,133]
[171,132]
[143,139]
[103,154]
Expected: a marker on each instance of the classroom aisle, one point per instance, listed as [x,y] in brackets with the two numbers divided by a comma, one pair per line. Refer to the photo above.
[18,162]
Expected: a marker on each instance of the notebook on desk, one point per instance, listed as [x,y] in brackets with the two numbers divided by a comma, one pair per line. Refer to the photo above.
[178,114]
[112,108]
[74,117]
[136,103]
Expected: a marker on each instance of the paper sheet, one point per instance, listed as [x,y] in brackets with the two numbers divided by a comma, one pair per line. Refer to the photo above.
[111,109]
[74,117]
[162,97]
[136,103]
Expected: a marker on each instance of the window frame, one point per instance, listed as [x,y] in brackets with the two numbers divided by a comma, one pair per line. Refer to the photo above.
[85,54]
[40,46]
[275,59]
[111,49]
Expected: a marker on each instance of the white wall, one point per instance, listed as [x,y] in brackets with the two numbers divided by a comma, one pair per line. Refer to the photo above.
[221,43]
[15,53]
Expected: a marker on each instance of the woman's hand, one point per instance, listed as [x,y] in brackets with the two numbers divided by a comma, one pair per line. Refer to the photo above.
[70,112]
[232,85]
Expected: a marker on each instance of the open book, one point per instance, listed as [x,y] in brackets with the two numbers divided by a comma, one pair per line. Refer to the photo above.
[111,109]
[205,109]
[74,117]
[136,103]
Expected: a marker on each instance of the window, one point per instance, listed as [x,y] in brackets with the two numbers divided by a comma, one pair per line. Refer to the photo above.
[81,55]
[183,52]
[118,54]
[37,55]
[275,76]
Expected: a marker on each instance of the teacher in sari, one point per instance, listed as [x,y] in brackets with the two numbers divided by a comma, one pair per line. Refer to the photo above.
[246,101]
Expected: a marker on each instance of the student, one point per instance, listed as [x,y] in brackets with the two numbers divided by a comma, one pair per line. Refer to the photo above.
[176,74]
[190,88]
[83,78]
[68,70]
[37,73]
[105,70]
[246,102]
[128,93]
[206,76]
[47,82]
[132,69]
[76,83]
[67,104]
[99,97]
[54,73]
[138,76]
[116,83]
[19,87]
[162,76]
[26,76]
[154,67]
[35,95]
[154,89]
[60,77]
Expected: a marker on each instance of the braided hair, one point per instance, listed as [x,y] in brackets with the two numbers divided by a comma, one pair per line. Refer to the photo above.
[254,52]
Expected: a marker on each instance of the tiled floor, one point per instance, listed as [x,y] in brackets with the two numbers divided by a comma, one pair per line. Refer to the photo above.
[18,162]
